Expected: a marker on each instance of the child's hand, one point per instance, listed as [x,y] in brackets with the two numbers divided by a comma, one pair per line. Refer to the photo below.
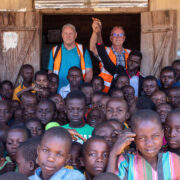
[124,139]
[75,134]
[36,87]
[10,166]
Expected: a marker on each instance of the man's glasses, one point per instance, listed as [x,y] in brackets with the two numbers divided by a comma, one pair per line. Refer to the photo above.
[118,35]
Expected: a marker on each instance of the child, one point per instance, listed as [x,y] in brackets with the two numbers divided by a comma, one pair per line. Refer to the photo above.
[35,127]
[117,108]
[150,85]
[158,97]
[27,74]
[76,109]
[176,66]
[117,93]
[15,136]
[46,111]
[95,117]
[42,94]
[116,124]
[41,79]
[148,163]
[106,131]
[5,112]
[167,78]
[98,84]
[53,83]
[163,110]
[129,94]
[106,176]
[53,153]
[103,103]
[96,99]
[76,156]
[15,105]
[6,90]
[122,80]
[172,131]
[87,89]
[173,96]
[95,156]
[28,99]
[74,77]
[29,113]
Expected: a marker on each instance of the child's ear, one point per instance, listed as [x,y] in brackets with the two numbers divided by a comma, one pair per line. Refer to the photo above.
[127,115]
[31,165]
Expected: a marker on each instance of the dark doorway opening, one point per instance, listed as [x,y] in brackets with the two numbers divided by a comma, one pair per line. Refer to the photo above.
[52,25]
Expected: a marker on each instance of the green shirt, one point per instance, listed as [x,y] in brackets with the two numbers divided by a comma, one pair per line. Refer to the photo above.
[85,131]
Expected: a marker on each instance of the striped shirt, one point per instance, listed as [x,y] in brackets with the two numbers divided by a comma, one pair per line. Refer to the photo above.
[135,167]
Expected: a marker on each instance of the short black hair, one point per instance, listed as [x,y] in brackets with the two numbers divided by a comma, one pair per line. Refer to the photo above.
[174,111]
[53,75]
[76,69]
[144,102]
[33,120]
[136,53]
[106,176]
[144,115]
[41,73]
[75,143]
[95,137]
[48,101]
[99,93]
[168,68]
[26,66]
[28,149]
[85,84]
[176,61]
[75,95]
[28,94]
[13,176]
[59,132]
[1,149]
[99,78]
[119,100]
[152,78]
[176,88]
[6,82]
[21,128]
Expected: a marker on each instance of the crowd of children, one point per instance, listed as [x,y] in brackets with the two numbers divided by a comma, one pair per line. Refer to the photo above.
[80,132]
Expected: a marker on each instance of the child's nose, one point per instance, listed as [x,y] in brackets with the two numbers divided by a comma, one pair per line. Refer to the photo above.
[172,133]
[51,157]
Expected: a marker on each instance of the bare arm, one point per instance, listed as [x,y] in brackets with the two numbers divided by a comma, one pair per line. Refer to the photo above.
[96,36]
[89,75]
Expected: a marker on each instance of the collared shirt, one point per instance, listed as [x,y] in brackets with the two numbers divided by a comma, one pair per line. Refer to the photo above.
[119,57]
[64,91]
[135,167]
[62,174]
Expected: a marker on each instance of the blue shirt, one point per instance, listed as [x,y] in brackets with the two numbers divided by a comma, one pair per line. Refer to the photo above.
[70,58]
[62,174]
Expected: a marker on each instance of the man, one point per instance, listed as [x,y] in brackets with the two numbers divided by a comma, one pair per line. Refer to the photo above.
[116,52]
[69,54]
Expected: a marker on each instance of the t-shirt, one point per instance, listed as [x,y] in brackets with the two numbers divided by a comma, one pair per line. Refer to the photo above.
[135,167]
[70,58]
[62,174]
[85,131]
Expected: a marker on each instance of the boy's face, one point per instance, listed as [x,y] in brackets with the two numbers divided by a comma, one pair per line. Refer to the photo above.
[24,167]
[43,94]
[6,92]
[109,134]
[74,77]
[149,86]
[96,100]
[97,85]
[122,81]
[27,74]
[35,128]
[167,79]
[176,66]
[75,160]
[88,91]
[103,103]
[163,110]
[14,138]
[45,112]
[53,85]
[117,110]
[41,81]
[172,131]
[60,104]
[76,109]
[29,112]
[158,98]
[95,117]
[15,105]
[5,112]
[18,114]
[96,157]
[133,63]
[28,101]
[174,98]
[53,153]
[149,138]
[129,93]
